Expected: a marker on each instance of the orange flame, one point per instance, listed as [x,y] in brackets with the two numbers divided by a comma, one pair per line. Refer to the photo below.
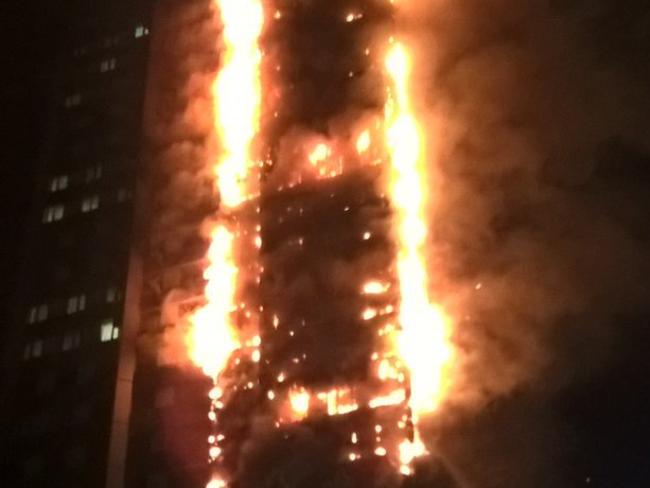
[237,92]
[423,344]
[299,399]
[237,98]
[213,338]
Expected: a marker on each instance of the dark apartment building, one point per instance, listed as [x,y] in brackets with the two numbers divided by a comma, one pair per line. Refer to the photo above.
[63,374]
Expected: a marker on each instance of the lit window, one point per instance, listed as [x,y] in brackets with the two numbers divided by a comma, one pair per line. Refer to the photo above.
[73,100]
[53,214]
[59,183]
[76,304]
[41,315]
[89,204]
[71,340]
[111,41]
[32,315]
[111,295]
[108,331]
[36,349]
[37,314]
[108,65]
[141,31]
[72,305]
[94,173]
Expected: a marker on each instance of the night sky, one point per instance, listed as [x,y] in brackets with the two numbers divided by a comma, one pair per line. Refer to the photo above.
[582,421]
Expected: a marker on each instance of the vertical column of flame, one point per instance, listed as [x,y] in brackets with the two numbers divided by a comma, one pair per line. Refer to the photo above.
[423,344]
[237,94]
[237,100]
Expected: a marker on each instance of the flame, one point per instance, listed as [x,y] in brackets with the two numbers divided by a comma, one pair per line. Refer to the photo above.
[237,94]
[409,451]
[319,154]
[363,142]
[213,338]
[299,399]
[394,398]
[375,287]
[423,343]
[216,483]
[322,161]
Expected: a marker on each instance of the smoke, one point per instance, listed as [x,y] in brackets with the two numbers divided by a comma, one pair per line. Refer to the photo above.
[537,120]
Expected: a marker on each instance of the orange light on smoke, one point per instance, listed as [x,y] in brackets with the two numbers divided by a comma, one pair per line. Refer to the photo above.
[237,95]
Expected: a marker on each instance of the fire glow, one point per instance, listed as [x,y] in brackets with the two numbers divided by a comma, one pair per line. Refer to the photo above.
[414,331]
[423,343]
[237,99]
[237,95]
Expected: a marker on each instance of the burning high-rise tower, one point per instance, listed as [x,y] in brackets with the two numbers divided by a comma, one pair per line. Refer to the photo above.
[279,293]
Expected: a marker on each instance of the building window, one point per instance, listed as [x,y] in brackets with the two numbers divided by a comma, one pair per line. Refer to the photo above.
[42,313]
[111,41]
[59,183]
[94,173]
[108,331]
[140,31]
[76,304]
[108,65]
[31,316]
[37,313]
[53,213]
[112,295]
[89,204]
[73,100]
[123,194]
[71,340]
[33,350]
